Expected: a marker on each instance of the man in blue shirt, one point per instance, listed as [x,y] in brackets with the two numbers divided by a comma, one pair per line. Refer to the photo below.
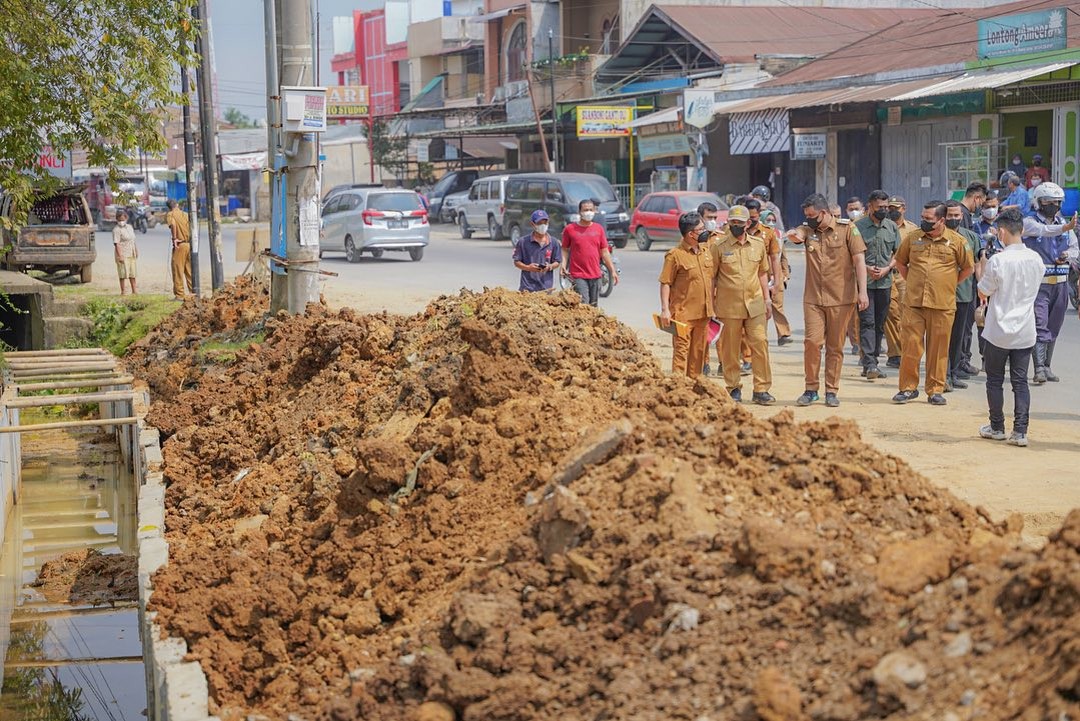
[537,256]
[1018,197]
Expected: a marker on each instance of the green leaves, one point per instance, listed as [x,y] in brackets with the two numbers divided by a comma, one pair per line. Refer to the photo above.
[89,74]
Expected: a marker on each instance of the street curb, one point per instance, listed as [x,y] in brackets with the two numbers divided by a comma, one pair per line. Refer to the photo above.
[176,690]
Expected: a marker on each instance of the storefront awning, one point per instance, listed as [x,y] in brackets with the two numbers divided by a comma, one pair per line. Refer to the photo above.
[983,80]
[836,96]
[488,17]
[671,115]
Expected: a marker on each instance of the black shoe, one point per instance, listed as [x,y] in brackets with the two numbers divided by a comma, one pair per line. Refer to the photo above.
[961,374]
[937,400]
[807,398]
[855,350]
[905,396]
[1050,375]
[705,370]
[863,373]
[948,386]
[736,395]
[831,400]
[873,373]
[764,399]
[746,368]
[968,368]
[784,340]
[893,362]
[958,384]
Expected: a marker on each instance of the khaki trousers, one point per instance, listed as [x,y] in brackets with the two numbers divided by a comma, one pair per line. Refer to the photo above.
[181,270]
[826,327]
[754,333]
[893,333]
[783,327]
[929,328]
[689,354]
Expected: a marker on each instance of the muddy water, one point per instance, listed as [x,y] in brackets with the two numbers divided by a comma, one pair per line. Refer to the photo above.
[66,661]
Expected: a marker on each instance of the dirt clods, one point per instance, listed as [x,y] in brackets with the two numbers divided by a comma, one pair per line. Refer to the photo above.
[501,508]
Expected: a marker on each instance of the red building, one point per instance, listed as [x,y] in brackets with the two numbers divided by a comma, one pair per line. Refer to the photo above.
[373,62]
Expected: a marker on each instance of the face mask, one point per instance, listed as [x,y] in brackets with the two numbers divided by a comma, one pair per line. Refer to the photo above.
[752,224]
[990,213]
[542,228]
[894,216]
[928,226]
[814,222]
[710,225]
[587,215]
[1049,210]
[1037,163]
[738,230]
[703,236]
[856,214]
[952,224]
[880,214]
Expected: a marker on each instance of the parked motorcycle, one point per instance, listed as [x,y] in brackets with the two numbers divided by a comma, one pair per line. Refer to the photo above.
[138,216]
[606,286]
[1074,278]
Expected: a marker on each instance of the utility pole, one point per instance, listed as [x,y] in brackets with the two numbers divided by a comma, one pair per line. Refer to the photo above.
[189,176]
[301,212]
[279,291]
[554,105]
[208,132]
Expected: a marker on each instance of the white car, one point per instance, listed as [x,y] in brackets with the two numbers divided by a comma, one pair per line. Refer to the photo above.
[374,220]
[484,208]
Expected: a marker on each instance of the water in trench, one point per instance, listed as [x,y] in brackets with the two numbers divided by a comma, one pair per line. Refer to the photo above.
[70,655]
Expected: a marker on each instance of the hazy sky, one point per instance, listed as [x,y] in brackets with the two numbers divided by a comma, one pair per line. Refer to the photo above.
[239,49]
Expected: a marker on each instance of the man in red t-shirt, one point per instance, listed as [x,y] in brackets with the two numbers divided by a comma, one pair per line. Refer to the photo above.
[584,245]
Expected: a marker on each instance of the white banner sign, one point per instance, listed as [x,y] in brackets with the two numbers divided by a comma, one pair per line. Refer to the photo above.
[763,131]
[808,146]
[698,107]
[244,161]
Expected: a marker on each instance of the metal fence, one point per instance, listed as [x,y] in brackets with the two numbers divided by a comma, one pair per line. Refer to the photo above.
[623,191]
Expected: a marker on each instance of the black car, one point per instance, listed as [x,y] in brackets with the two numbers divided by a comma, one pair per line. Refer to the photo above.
[559,195]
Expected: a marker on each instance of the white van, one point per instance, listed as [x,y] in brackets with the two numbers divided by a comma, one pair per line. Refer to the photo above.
[484,207]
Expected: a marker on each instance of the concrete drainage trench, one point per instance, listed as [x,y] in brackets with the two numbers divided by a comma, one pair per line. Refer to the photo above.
[82,495]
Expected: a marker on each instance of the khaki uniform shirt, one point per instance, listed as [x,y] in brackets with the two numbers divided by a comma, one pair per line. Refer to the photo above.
[830,263]
[177,220]
[933,267]
[690,275]
[739,262]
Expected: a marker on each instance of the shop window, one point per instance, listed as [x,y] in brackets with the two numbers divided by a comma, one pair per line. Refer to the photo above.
[1031,136]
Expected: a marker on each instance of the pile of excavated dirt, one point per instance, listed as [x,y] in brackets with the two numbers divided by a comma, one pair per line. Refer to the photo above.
[90,577]
[501,508]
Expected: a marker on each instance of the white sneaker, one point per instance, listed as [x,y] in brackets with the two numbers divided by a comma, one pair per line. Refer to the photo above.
[1018,439]
[989,433]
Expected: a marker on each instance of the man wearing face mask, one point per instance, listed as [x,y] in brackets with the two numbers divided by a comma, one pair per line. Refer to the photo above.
[1047,233]
[965,301]
[854,208]
[779,282]
[775,250]
[586,244]
[933,261]
[973,200]
[893,335]
[686,294]
[742,304]
[882,238]
[709,213]
[537,256]
[835,285]
[988,245]
[1036,171]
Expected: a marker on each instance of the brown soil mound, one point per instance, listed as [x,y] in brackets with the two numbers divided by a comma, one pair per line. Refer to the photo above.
[502,509]
[90,577]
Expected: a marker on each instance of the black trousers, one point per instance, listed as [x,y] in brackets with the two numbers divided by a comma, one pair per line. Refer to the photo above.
[872,325]
[965,347]
[1018,361]
[965,316]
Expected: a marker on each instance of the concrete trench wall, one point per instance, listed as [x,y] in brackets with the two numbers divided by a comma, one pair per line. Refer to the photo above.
[176,690]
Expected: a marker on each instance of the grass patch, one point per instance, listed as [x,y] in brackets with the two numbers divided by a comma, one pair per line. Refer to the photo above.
[222,351]
[119,322]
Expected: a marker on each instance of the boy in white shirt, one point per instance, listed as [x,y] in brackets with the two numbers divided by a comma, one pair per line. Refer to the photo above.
[1008,289]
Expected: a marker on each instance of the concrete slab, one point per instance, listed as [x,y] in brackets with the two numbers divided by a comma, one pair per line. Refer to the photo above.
[14,283]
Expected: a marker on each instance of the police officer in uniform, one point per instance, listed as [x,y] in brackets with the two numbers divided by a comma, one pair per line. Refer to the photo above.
[933,260]
[835,285]
[742,304]
[1046,232]
[897,208]
[686,294]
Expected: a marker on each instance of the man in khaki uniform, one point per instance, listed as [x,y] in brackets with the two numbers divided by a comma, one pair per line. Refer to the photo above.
[177,220]
[933,260]
[781,271]
[897,208]
[835,284]
[686,294]
[742,304]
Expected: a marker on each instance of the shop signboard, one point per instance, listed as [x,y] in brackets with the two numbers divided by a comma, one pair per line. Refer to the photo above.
[663,146]
[55,164]
[305,109]
[698,106]
[347,102]
[1022,33]
[808,146]
[761,131]
[603,121]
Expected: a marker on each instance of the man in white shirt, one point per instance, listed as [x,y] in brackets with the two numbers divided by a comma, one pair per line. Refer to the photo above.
[1008,288]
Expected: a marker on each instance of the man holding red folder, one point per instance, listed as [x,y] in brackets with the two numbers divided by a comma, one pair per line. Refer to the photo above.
[686,295]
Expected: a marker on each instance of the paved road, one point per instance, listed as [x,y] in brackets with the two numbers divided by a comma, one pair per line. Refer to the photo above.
[940,442]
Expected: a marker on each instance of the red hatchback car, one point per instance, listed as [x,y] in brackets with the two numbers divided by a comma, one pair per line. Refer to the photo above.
[657,215]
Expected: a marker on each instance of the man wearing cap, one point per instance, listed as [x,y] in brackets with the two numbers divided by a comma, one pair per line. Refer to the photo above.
[835,285]
[1036,171]
[585,242]
[537,256]
[742,304]
[686,294]
[933,260]
[893,334]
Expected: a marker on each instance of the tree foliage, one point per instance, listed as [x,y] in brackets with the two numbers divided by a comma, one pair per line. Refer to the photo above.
[89,74]
[390,152]
[233,116]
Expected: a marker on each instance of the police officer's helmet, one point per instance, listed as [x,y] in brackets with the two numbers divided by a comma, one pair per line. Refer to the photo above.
[1048,193]
[761,191]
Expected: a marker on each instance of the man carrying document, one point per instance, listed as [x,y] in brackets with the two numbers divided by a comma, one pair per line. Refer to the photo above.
[686,295]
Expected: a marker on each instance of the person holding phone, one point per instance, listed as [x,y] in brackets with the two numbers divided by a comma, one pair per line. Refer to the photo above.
[537,256]
[686,294]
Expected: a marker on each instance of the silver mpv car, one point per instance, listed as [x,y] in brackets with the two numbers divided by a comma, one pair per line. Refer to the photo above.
[374,220]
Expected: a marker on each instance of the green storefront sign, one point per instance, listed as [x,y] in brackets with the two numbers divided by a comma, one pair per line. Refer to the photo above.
[1022,33]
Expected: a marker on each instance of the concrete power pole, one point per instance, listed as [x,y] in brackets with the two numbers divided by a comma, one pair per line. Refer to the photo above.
[189,177]
[279,290]
[302,171]
[208,132]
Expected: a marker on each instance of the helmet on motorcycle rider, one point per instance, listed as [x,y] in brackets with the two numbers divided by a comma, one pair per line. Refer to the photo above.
[1047,193]
[762,192]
